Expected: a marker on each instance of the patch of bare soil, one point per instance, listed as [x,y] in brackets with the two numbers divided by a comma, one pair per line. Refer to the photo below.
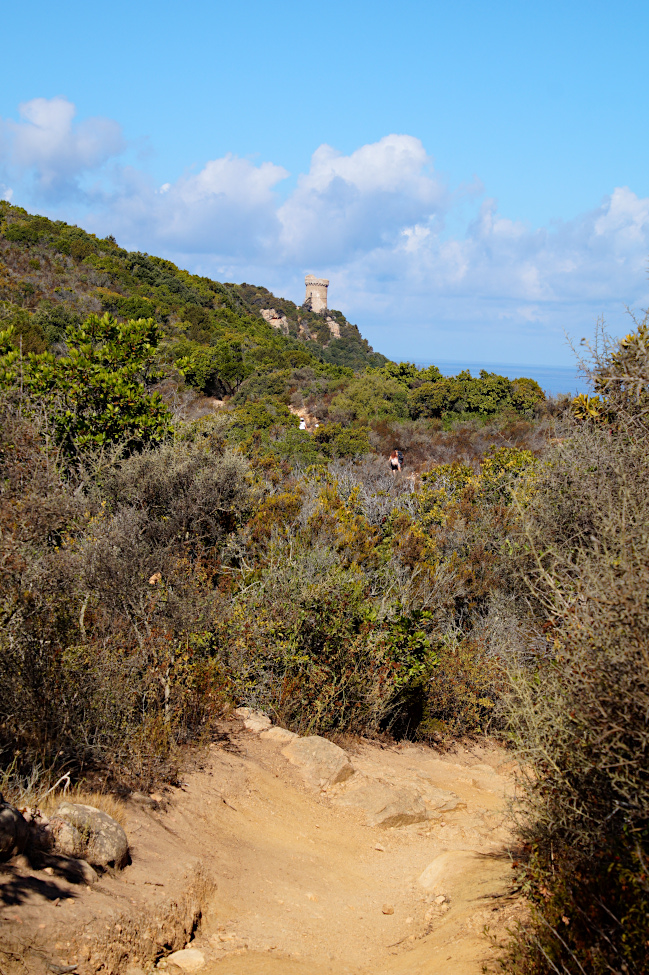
[265,874]
[310,421]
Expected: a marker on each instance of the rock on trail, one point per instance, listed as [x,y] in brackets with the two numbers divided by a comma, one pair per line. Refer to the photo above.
[90,834]
[321,763]
[13,830]
[385,806]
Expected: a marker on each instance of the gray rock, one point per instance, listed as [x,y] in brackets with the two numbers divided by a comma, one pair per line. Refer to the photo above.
[13,831]
[85,871]
[320,762]
[104,842]
[65,838]
[385,806]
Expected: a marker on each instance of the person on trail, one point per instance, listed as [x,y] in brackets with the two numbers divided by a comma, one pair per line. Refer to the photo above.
[396,460]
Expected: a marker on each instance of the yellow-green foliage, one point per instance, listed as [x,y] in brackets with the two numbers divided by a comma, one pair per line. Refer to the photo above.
[585,407]
[464,693]
[456,490]
[369,396]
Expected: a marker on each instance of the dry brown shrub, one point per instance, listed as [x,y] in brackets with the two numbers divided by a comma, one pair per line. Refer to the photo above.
[580,715]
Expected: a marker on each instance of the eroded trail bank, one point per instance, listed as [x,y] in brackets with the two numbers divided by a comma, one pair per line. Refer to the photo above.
[263,863]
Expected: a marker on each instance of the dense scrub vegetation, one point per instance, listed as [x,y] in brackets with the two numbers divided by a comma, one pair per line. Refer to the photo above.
[163,560]
[580,713]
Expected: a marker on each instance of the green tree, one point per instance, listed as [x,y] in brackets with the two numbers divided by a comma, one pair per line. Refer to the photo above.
[219,367]
[96,394]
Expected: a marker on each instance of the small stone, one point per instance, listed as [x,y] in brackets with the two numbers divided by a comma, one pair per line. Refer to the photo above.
[387,909]
[189,959]
[142,799]
[380,847]
[440,899]
[49,871]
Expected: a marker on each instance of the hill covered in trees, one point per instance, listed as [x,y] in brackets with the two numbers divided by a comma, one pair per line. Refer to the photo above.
[56,274]
[225,340]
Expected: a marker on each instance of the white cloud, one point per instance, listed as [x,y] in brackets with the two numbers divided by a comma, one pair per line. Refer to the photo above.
[48,143]
[228,208]
[347,204]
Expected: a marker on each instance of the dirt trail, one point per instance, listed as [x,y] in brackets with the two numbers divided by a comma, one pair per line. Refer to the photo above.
[302,882]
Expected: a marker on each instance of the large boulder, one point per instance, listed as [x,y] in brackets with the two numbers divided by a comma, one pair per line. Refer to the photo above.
[321,763]
[87,833]
[65,838]
[13,830]
[385,806]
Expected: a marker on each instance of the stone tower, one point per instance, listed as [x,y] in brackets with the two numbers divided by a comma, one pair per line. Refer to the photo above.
[316,293]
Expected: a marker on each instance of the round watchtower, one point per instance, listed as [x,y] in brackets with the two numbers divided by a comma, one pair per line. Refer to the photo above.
[316,293]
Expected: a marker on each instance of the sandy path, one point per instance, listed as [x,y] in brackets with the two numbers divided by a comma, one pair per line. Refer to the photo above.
[301,881]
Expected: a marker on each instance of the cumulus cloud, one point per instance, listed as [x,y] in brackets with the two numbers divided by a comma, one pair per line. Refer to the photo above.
[47,143]
[348,204]
[344,205]
[229,207]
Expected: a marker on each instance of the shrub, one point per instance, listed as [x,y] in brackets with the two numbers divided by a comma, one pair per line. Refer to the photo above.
[219,368]
[109,600]
[304,644]
[95,395]
[580,714]
[370,395]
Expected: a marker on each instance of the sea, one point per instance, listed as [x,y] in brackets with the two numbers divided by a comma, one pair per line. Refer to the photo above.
[553,380]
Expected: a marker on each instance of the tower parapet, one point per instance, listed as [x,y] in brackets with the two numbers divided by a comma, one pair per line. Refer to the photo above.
[316,293]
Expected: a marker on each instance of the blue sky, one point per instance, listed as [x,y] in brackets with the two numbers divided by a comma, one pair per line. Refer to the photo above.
[472,177]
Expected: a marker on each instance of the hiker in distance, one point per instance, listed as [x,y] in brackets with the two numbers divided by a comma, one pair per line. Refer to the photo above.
[396,461]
